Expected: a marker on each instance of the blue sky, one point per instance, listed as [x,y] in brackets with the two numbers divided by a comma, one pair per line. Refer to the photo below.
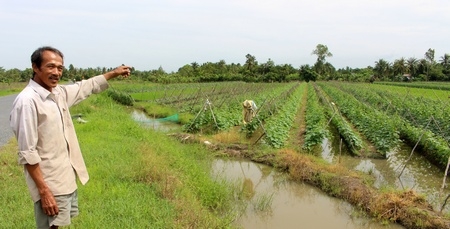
[149,34]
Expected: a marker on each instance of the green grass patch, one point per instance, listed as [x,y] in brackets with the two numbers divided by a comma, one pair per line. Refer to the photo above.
[11,88]
[139,178]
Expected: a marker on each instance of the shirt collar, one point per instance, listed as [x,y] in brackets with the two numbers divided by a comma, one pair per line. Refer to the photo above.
[42,92]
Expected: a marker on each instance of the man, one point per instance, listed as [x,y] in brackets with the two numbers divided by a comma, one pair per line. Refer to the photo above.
[48,146]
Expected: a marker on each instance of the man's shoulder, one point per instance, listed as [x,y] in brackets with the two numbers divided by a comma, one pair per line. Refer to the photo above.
[27,94]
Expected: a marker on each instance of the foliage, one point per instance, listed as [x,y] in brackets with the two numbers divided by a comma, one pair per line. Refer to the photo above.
[379,128]
[277,126]
[352,139]
[402,69]
[307,74]
[121,97]
[316,129]
[139,178]
[421,121]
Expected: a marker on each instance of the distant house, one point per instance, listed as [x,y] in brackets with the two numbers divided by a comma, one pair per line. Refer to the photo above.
[407,77]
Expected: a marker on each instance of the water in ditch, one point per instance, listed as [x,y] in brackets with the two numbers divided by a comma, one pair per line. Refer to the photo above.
[273,201]
[156,124]
[277,202]
[397,171]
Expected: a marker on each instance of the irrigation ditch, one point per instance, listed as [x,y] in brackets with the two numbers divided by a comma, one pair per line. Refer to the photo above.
[364,186]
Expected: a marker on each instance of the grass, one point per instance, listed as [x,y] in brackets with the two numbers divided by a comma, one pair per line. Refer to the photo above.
[143,179]
[12,88]
[263,202]
[138,178]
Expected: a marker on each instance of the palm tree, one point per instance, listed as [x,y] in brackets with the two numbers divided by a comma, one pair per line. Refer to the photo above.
[422,68]
[412,65]
[399,67]
[382,68]
[445,60]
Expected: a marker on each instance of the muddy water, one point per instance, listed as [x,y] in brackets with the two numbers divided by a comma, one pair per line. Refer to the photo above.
[156,124]
[418,174]
[288,204]
[272,201]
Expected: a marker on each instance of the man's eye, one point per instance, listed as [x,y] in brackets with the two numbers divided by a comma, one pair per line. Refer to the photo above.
[52,66]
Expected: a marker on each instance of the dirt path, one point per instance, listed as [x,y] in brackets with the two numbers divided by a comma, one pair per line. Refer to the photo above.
[297,138]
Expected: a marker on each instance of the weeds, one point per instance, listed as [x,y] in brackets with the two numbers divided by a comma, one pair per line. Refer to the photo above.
[263,202]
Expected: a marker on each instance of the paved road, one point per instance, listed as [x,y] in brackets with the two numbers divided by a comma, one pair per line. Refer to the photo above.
[5,107]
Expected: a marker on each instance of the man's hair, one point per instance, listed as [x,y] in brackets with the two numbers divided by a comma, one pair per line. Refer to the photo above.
[36,57]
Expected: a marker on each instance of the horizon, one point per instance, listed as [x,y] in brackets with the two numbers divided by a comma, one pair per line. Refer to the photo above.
[170,34]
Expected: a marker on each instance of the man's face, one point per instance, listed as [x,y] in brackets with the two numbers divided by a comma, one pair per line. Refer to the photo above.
[50,71]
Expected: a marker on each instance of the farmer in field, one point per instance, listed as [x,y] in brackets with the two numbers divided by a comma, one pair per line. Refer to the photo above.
[249,110]
[48,145]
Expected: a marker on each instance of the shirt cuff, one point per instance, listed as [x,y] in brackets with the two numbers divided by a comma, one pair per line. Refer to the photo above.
[29,157]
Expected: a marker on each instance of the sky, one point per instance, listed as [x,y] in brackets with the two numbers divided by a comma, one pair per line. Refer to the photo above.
[149,34]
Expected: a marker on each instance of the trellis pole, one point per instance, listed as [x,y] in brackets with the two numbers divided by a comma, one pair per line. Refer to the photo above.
[412,151]
[205,106]
[445,175]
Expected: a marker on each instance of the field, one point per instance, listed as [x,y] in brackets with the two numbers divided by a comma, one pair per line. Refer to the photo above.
[371,120]
[292,121]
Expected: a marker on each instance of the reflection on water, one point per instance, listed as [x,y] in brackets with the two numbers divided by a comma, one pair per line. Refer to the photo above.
[297,205]
[418,174]
[292,204]
[156,124]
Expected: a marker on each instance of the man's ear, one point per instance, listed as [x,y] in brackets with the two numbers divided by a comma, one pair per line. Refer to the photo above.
[34,68]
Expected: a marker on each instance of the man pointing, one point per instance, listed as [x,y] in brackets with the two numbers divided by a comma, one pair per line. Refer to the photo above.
[47,143]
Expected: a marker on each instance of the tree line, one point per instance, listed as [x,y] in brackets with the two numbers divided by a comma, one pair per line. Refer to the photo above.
[403,69]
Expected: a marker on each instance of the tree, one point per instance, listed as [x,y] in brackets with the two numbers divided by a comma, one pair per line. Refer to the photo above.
[249,69]
[195,69]
[3,78]
[429,56]
[382,68]
[422,69]
[412,66]
[250,63]
[322,53]
[265,68]
[221,67]
[445,62]
[399,67]
[307,74]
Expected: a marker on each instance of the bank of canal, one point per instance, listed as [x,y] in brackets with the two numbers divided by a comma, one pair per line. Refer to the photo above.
[274,200]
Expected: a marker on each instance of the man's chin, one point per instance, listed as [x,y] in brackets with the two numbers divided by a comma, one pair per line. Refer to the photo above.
[53,83]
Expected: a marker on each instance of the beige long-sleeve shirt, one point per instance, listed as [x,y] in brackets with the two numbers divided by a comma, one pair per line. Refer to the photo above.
[45,133]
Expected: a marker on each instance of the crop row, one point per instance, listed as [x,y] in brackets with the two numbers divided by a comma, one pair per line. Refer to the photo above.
[229,112]
[426,85]
[419,120]
[352,138]
[376,126]
[315,120]
[277,127]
